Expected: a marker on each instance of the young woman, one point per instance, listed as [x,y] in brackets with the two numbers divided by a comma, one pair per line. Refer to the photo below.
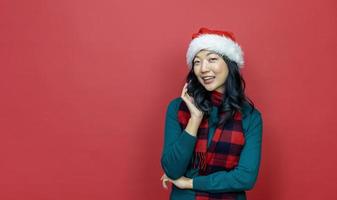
[213,131]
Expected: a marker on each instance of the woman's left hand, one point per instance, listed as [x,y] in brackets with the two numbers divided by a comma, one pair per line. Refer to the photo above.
[182,182]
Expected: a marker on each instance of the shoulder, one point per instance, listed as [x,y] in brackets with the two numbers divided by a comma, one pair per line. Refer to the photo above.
[251,116]
[249,111]
[173,104]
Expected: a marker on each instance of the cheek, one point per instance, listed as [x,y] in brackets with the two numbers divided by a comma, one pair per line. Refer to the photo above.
[196,71]
[225,74]
[221,72]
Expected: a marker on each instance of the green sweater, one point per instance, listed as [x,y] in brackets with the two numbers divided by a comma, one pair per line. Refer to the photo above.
[179,146]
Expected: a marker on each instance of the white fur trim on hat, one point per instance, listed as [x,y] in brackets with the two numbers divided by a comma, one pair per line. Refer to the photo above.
[220,44]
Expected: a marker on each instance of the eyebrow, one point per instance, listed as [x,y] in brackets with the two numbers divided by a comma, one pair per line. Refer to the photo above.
[206,54]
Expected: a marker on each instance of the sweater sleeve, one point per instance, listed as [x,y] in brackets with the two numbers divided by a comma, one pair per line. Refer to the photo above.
[244,176]
[178,144]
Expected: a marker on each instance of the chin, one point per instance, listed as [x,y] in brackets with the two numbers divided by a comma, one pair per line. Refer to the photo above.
[209,87]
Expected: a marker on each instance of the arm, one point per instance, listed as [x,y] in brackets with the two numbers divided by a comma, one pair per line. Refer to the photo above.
[244,176]
[178,144]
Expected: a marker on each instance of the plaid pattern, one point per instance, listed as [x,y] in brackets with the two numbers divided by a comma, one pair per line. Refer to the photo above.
[224,150]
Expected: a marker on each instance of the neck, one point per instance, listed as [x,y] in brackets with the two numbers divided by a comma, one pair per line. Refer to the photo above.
[221,90]
[216,97]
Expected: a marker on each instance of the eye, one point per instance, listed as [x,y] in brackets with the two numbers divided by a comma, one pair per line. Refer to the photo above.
[196,62]
[213,59]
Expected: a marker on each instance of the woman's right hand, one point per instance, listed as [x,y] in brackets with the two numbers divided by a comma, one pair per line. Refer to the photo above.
[195,112]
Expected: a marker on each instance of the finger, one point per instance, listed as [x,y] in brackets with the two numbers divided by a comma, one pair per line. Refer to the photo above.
[164,183]
[189,98]
[186,96]
[163,176]
[184,90]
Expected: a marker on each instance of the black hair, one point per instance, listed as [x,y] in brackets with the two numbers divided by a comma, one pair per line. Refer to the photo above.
[234,97]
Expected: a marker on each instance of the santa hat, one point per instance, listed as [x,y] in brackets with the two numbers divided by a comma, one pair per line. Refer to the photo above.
[221,42]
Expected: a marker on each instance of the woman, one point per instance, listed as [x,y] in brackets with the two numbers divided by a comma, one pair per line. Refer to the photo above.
[213,132]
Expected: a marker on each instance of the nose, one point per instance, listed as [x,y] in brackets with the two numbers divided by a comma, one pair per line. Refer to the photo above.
[204,66]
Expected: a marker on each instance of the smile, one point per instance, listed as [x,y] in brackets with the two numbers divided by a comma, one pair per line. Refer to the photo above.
[208,79]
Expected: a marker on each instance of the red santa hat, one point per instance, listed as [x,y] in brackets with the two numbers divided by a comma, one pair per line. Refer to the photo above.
[221,42]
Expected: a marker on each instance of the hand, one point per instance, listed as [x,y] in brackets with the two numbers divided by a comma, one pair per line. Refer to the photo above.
[164,180]
[195,112]
[182,182]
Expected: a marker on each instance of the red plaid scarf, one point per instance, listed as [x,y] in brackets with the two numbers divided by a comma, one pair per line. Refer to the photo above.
[224,150]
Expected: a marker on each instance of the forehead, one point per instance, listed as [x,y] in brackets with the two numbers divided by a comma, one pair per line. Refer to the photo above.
[204,52]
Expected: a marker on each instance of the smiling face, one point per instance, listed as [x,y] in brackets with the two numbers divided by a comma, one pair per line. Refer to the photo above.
[211,70]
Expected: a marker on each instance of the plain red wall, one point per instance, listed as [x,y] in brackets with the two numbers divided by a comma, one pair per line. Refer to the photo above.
[85,84]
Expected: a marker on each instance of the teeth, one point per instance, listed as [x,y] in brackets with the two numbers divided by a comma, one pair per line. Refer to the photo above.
[208,78]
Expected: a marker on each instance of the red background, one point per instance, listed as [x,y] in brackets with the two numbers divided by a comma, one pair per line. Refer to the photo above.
[85,84]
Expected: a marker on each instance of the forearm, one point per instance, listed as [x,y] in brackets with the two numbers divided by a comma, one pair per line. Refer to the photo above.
[176,158]
[223,181]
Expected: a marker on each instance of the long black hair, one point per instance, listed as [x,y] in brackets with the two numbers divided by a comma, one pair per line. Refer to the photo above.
[234,96]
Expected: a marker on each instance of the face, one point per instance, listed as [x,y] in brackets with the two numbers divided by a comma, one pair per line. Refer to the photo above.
[211,70]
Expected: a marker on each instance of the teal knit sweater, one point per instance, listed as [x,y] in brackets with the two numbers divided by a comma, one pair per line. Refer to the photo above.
[179,146]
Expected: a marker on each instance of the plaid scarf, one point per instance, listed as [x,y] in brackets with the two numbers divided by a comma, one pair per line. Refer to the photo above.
[225,147]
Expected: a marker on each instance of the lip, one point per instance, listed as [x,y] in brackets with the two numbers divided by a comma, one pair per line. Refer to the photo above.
[208,81]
